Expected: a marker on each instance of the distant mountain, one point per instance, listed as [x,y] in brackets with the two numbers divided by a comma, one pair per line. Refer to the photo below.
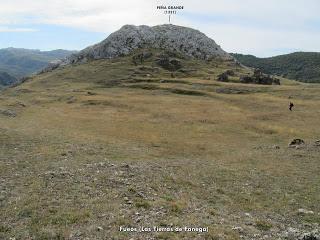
[19,62]
[301,66]
[6,79]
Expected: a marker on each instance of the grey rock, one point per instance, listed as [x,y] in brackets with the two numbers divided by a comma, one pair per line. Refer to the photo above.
[237,228]
[296,234]
[8,113]
[223,77]
[187,41]
[141,57]
[52,66]
[259,78]
[317,143]
[168,63]
[310,236]
[291,233]
[304,211]
[296,142]
[247,214]
[99,228]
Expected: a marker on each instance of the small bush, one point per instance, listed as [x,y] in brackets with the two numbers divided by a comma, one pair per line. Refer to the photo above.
[263,225]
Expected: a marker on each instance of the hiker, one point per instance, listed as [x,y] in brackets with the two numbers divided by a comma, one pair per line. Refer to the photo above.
[291,106]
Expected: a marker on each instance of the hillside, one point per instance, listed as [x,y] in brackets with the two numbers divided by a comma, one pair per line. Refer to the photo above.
[6,79]
[20,62]
[152,138]
[301,66]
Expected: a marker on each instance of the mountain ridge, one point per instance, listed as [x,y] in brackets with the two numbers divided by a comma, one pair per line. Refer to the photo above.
[21,62]
[301,66]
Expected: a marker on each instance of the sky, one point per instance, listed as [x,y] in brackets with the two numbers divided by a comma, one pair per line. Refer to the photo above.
[259,27]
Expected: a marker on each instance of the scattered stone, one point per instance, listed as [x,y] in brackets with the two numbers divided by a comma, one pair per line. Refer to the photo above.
[304,211]
[51,66]
[276,81]
[296,142]
[239,229]
[18,104]
[141,57]
[230,72]
[75,234]
[259,78]
[296,234]
[8,113]
[317,143]
[141,195]
[247,214]
[127,166]
[102,215]
[310,236]
[291,233]
[171,64]
[223,77]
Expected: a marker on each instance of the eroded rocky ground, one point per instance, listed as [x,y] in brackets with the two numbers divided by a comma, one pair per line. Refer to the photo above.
[79,192]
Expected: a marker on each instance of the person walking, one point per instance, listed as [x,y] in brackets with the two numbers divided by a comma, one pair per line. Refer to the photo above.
[291,106]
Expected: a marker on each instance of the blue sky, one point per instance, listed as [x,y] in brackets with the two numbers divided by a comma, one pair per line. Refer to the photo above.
[50,37]
[262,28]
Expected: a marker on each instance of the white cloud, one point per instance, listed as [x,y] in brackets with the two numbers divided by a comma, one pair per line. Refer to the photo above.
[8,29]
[253,26]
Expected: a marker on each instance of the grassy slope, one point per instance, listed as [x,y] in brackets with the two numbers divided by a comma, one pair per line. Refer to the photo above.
[302,66]
[141,151]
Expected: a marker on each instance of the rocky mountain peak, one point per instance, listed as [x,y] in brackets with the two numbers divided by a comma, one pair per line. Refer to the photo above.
[187,41]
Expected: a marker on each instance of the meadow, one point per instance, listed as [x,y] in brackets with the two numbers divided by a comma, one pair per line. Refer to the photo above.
[93,147]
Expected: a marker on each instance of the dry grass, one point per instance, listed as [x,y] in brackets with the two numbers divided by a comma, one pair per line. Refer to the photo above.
[135,153]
